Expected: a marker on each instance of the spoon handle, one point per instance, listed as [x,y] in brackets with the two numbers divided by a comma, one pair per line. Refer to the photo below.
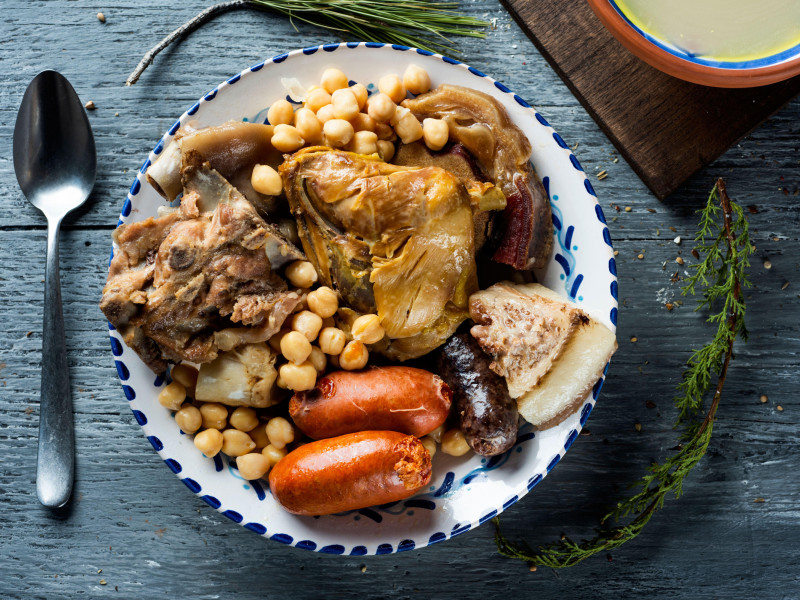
[55,462]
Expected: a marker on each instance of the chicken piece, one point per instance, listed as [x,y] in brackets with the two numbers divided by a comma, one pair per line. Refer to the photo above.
[177,279]
[550,352]
[396,241]
[481,125]
[485,197]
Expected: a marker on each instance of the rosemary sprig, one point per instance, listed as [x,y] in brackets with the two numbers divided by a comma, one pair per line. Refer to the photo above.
[721,275]
[422,24]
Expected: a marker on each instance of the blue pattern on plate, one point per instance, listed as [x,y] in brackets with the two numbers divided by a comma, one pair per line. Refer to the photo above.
[307,545]
[233,516]
[449,485]
[155,442]
[130,394]
[282,538]
[192,485]
[570,439]
[437,537]
[256,527]
[487,516]
[173,465]
[211,501]
[406,545]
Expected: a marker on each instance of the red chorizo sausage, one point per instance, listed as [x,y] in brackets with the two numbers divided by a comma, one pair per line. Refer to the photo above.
[404,399]
[350,472]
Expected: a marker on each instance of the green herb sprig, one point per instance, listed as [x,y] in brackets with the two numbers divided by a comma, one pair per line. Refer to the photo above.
[721,275]
[425,24]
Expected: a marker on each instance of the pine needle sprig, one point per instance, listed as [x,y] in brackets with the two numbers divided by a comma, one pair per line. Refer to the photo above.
[425,24]
[720,275]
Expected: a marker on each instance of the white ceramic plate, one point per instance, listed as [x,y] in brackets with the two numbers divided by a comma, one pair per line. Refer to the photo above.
[466,491]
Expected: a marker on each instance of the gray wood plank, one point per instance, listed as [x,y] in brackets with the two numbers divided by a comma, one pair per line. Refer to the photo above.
[152,538]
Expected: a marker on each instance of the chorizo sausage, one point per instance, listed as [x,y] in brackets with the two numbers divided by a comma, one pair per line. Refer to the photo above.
[350,472]
[486,413]
[404,399]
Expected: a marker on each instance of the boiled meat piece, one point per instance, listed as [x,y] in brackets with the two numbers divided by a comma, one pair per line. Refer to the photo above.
[479,123]
[550,351]
[177,279]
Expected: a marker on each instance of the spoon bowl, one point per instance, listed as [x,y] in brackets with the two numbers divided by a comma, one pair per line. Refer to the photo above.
[56,165]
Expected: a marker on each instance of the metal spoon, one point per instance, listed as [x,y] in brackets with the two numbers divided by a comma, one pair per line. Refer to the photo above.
[55,163]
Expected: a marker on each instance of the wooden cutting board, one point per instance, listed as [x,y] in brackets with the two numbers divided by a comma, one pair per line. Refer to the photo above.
[666,128]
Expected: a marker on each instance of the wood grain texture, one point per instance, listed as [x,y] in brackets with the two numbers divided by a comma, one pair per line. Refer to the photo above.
[681,126]
[152,538]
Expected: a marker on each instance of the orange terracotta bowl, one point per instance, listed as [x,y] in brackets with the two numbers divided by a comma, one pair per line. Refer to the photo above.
[666,58]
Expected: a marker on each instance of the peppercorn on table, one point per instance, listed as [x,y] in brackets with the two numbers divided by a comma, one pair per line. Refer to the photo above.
[132,530]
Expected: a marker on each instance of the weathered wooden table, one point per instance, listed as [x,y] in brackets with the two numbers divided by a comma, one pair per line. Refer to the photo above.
[134,531]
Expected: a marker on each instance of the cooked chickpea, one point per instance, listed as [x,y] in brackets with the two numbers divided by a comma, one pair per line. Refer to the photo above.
[392,86]
[309,126]
[265,180]
[430,445]
[244,418]
[259,435]
[275,340]
[385,150]
[215,416]
[333,79]
[416,80]
[381,108]
[307,323]
[273,454]
[316,99]
[436,434]
[252,466]
[363,122]
[345,105]
[280,113]
[298,378]
[236,443]
[361,93]
[354,356]
[286,138]
[436,133]
[325,114]
[280,382]
[332,340]
[209,442]
[185,375]
[318,359]
[172,396]
[385,132]
[301,273]
[338,132]
[189,419]
[408,128]
[368,329]
[323,301]
[363,142]
[454,443]
[280,432]
[295,347]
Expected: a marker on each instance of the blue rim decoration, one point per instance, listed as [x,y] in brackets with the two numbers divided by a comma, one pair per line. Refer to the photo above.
[733,65]
[447,487]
